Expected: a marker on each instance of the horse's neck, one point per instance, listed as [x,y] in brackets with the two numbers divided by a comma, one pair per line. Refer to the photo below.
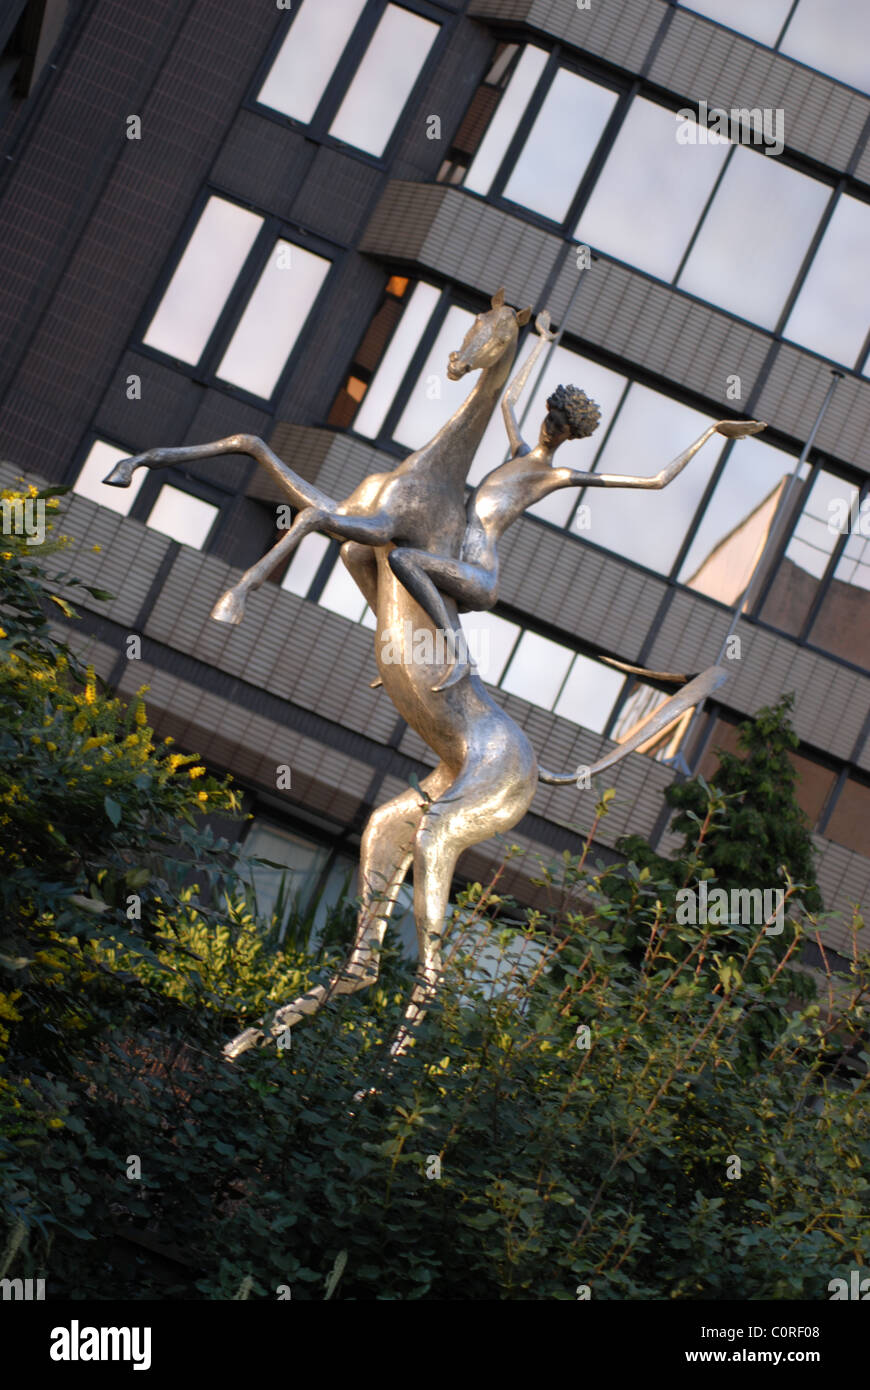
[454,446]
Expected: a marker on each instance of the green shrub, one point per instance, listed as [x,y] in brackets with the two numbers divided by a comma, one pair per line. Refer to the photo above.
[508,1155]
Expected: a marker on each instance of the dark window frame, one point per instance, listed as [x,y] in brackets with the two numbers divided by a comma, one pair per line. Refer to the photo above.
[317,129]
[273,229]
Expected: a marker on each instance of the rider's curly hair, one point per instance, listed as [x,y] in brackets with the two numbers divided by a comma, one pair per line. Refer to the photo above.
[571,409]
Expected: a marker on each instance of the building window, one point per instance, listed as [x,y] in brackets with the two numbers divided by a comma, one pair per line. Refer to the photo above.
[832,36]
[849,822]
[479,123]
[647,168]
[299,83]
[551,162]
[649,527]
[758,19]
[380,353]
[308,56]
[303,879]
[827,540]
[832,313]
[202,280]
[842,623]
[516,130]
[183,517]
[101,459]
[516,82]
[193,321]
[273,318]
[814,782]
[737,521]
[174,511]
[589,692]
[754,237]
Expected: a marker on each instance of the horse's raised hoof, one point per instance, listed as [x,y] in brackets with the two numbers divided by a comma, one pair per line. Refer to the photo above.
[252,1037]
[230,608]
[122,474]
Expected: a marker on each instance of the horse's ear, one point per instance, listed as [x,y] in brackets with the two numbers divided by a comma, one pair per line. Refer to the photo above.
[523,317]
[498,298]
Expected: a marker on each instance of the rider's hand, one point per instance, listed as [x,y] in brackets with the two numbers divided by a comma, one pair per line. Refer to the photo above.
[542,324]
[739,429]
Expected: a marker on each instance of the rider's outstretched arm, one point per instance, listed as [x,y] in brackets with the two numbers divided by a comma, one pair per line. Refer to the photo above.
[555,478]
[517,386]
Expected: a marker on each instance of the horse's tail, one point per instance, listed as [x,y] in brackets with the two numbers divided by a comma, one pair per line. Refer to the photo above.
[658,719]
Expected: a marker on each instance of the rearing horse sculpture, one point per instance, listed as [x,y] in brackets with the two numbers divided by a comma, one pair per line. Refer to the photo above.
[487,772]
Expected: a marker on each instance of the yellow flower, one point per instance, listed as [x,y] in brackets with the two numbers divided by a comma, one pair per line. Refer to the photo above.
[202,796]
[55,1124]
[90,687]
[141,717]
[96,549]
[195,772]
[2,632]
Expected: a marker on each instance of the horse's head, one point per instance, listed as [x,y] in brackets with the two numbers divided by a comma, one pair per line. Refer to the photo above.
[490,336]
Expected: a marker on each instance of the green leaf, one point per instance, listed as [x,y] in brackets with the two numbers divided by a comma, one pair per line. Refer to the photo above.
[113,810]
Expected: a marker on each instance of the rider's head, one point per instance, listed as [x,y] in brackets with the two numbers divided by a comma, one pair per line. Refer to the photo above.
[570,415]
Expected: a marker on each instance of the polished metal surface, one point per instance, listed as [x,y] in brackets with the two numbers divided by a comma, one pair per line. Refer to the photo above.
[421,554]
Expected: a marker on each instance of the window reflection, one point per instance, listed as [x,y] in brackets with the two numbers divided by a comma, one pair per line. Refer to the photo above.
[737,521]
[560,144]
[384,80]
[808,553]
[849,824]
[434,397]
[101,459]
[273,319]
[834,37]
[183,517]
[832,312]
[589,693]
[207,271]
[307,58]
[842,625]
[754,237]
[648,433]
[394,363]
[651,192]
[500,131]
[537,670]
[759,19]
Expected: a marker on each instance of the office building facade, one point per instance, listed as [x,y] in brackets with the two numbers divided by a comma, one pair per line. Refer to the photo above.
[278,220]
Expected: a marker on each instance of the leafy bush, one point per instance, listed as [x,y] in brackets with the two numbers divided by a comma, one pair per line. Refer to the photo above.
[509,1155]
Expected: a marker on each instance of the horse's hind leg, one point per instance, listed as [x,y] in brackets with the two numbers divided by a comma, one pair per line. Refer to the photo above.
[483,801]
[385,857]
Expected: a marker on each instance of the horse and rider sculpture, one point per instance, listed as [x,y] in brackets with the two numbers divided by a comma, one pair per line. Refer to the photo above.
[421,552]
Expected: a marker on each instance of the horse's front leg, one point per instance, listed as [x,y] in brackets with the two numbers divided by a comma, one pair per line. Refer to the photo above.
[300,492]
[371,530]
